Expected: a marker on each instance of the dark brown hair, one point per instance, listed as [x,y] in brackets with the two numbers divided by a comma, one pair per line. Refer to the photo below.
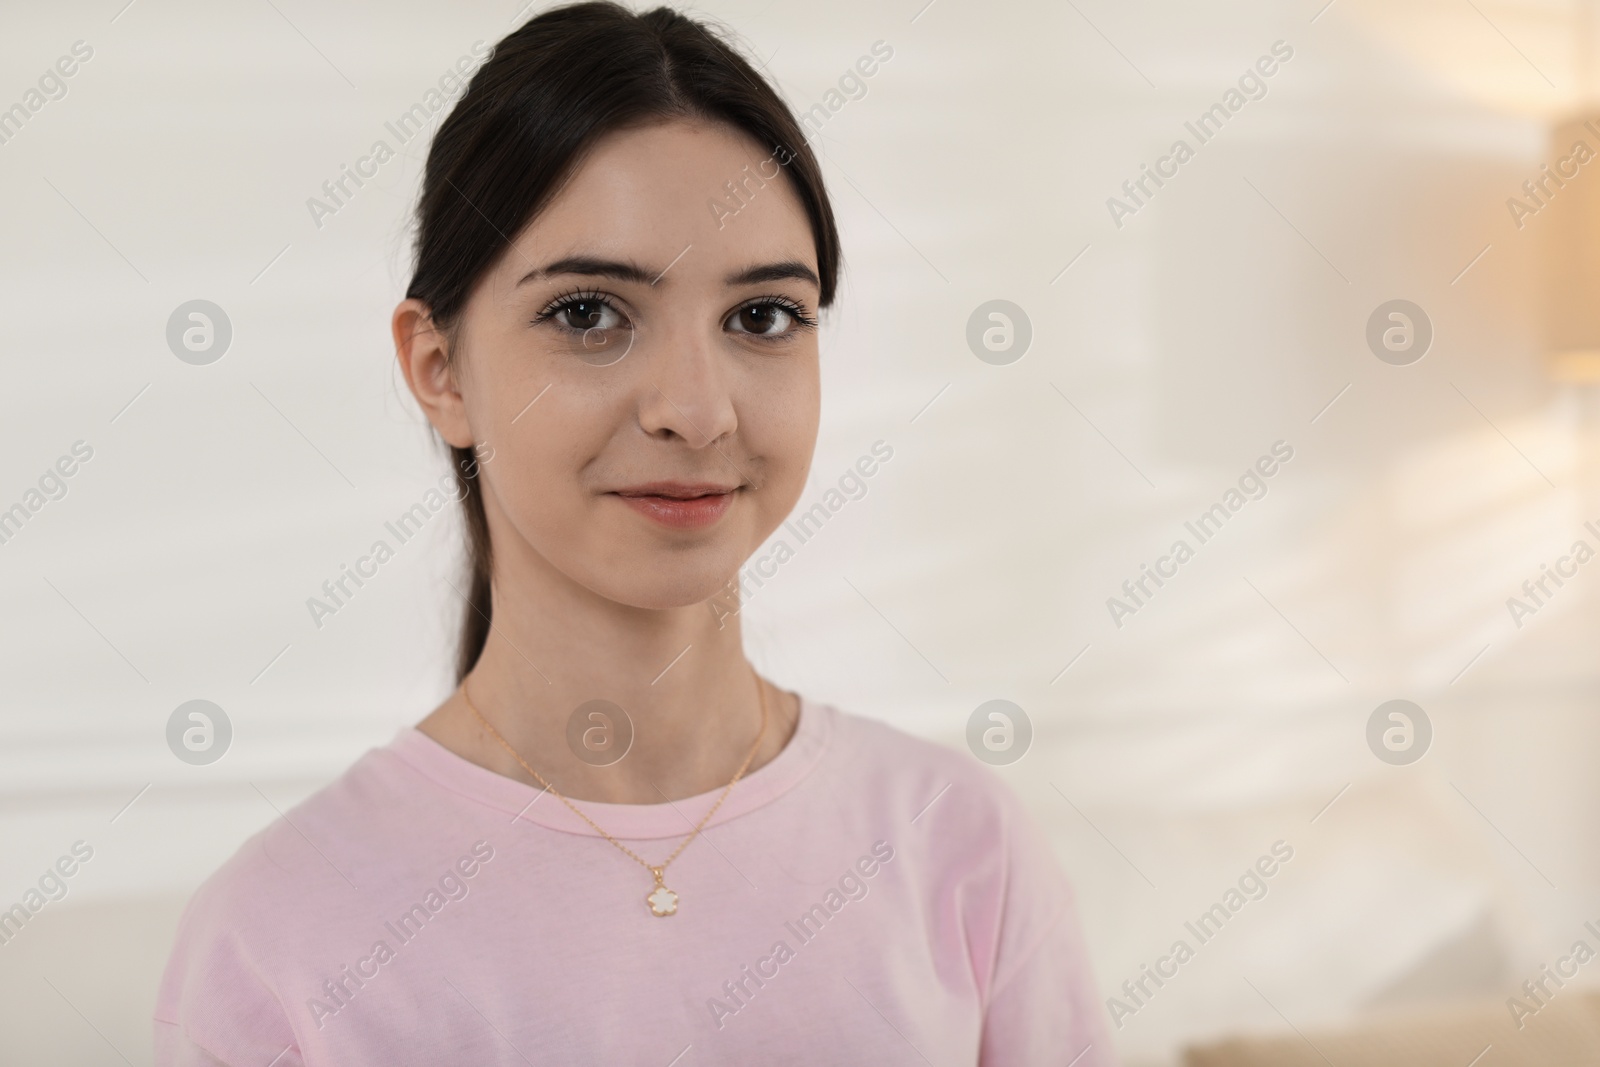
[547,92]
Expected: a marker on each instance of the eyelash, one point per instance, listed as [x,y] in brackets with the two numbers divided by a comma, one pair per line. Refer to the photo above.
[566,299]
[795,310]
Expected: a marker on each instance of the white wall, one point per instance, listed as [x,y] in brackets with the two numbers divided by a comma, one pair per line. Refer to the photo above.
[1219,319]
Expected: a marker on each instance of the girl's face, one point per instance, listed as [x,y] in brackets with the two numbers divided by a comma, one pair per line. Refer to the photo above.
[639,369]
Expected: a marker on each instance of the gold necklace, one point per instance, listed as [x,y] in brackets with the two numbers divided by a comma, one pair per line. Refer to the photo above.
[662,901]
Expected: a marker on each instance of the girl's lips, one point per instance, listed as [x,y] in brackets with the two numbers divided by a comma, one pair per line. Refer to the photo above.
[681,514]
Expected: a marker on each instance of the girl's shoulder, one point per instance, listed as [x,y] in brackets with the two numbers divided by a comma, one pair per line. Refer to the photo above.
[312,854]
[252,911]
[920,779]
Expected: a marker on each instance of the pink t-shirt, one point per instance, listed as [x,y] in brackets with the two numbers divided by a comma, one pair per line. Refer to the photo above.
[865,897]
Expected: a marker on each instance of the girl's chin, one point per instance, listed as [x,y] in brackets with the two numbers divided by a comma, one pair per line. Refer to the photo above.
[671,580]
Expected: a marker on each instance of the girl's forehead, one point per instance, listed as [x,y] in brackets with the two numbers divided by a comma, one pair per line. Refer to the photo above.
[685,198]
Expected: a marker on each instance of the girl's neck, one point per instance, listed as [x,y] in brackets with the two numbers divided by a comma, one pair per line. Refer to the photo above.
[679,674]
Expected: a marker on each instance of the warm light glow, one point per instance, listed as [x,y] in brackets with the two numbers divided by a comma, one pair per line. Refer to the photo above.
[1570,224]
[1521,57]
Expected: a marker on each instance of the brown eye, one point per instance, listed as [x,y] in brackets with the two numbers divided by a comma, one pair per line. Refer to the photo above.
[766,320]
[588,314]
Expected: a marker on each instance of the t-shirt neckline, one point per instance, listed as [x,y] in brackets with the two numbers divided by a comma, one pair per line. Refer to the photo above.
[523,801]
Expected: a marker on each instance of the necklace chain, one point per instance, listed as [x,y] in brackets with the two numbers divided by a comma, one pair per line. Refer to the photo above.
[655,869]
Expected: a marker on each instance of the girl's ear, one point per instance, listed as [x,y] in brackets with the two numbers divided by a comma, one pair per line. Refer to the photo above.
[424,354]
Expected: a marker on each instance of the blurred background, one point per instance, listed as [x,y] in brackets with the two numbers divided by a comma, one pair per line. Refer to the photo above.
[1170,343]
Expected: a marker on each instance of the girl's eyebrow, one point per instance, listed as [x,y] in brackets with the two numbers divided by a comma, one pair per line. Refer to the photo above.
[594,267]
[773,272]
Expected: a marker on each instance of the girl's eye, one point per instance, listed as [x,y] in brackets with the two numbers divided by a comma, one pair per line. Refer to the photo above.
[767,319]
[590,325]
[587,313]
